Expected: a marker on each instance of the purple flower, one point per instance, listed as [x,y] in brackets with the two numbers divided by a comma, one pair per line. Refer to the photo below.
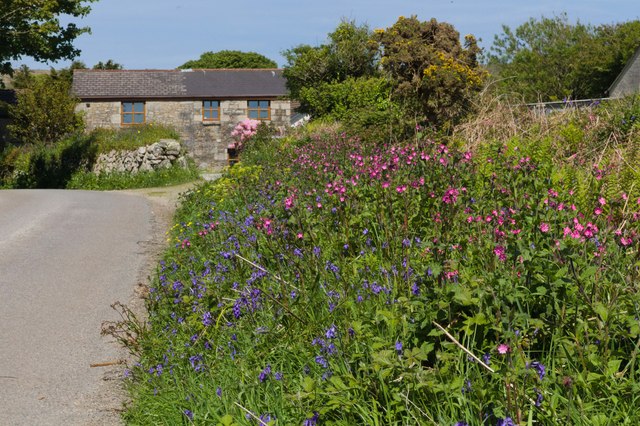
[219,391]
[540,369]
[507,421]
[322,361]
[311,421]
[331,332]
[278,376]
[265,373]
[188,413]
[207,319]
[399,347]
[461,424]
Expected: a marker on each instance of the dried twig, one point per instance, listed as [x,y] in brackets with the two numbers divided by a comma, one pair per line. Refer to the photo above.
[252,415]
[453,339]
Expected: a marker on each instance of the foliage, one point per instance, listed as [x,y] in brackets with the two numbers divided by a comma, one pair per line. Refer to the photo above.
[174,175]
[29,28]
[67,163]
[109,65]
[130,138]
[230,59]
[44,112]
[549,59]
[45,166]
[337,282]
[434,76]
[349,54]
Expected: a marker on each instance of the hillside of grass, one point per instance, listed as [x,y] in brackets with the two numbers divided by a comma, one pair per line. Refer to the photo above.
[487,278]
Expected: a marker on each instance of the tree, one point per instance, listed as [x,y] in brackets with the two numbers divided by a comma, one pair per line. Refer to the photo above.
[230,59]
[109,65]
[44,112]
[550,59]
[350,53]
[435,77]
[32,28]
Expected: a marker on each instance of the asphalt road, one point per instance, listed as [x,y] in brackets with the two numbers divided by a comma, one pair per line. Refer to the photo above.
[65,257]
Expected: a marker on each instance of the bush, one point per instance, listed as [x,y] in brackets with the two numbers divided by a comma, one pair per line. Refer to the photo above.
[44,113]
[174,175]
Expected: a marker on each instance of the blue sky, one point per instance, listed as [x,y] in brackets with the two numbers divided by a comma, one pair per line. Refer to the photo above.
[163,34]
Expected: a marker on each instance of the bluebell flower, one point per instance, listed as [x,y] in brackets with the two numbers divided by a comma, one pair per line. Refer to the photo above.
[399,347]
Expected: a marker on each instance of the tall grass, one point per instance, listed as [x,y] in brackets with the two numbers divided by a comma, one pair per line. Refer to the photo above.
[332,282]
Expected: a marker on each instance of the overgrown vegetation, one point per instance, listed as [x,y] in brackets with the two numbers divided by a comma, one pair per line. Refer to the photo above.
[486,278]
[550,58]
[67,163]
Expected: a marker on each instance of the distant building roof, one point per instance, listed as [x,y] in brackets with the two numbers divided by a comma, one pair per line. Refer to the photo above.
[192,84]
[628,81]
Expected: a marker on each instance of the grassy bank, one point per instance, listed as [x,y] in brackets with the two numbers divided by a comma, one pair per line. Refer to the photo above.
[330,282]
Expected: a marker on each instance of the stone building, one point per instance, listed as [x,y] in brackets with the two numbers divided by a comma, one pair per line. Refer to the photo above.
[202,105]
[628,82]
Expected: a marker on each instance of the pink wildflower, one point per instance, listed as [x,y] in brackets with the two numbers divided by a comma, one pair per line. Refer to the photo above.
[544,227]
[503,349]
[626,241]
[500,251]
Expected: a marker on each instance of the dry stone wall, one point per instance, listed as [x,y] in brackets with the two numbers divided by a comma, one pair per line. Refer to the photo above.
[162,154]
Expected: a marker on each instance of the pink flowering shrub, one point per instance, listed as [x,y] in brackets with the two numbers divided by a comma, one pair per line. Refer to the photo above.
[243,131]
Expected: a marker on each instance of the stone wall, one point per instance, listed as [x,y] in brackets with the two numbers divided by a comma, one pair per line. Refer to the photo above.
[162,154]
[206,142]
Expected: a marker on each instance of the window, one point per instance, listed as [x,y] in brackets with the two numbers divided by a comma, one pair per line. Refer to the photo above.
[211,110]
[259,110]
[132,113]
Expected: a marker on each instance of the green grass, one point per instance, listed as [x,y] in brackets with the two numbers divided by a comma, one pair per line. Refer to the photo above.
[111,181]
[130,138]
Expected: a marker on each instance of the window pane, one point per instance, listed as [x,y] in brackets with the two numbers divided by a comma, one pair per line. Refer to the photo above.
[207,114]
[253,114]
[127,118]
[206,104]
[214,114]
[138,118]
[264,104]
[264,114]
[127,107]
[253,104]
[215,104]
[138,106]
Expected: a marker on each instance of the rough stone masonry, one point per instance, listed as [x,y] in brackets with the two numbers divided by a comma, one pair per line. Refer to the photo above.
[160,155]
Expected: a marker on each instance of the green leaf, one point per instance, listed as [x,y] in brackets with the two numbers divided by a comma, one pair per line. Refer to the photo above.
[308,384]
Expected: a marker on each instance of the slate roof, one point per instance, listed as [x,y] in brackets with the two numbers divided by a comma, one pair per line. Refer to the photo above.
[628,81]
[175,84]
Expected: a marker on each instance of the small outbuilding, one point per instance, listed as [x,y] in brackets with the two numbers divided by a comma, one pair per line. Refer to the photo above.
[203,105]
[628,81]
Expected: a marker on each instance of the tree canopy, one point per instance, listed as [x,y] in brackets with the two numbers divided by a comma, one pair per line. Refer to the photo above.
[32,28]
[349,53]
[549,59]
[230,59]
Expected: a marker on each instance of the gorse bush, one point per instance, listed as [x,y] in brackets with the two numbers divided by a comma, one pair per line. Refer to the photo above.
[342,283]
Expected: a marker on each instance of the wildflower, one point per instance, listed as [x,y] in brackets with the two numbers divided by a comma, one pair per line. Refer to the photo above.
[278,376]
[219,392]
[207,320]
[626,241]
[507,421]
[188,413]
[540,369]
[544,227]
[312,421]
[264,374]
[399,347]
[331,332]
[503,349]
[500,251]
[322,361]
